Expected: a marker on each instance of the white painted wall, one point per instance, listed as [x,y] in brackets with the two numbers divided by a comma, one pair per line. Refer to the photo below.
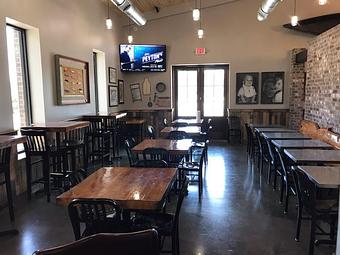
[232,35]
[71,28]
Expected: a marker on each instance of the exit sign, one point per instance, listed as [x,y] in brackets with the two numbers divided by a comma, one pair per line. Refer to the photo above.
[200,51]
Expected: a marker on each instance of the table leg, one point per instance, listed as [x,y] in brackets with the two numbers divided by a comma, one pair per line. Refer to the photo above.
[58,151]
[338,235]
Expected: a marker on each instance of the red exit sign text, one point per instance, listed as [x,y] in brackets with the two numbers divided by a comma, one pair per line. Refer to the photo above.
[200,51]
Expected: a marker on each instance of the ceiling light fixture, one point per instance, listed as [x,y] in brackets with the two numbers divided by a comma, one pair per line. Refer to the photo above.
[131,11]
[322,2]
[108,21]
[196,13]
[294,20]
[130,36]
[200,31]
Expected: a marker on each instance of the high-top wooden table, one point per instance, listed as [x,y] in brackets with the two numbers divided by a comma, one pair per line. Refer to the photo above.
[192,131]
[176,147]
[284,136]
[7,141]
[189,122]
[139,123]
[325,177]
[313,157]
[301,144]
[110,115]
[133,189]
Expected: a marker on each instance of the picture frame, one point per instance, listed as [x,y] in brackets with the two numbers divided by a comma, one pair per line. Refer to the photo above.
[112,75]
[247,88]
[272,87]
[113,96]
[72,81]
[136,93]
[121,91]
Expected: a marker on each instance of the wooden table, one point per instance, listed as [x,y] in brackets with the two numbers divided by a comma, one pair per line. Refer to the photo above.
[313,157]
[140,123]
[190,122]
[284,136]
[253,126]
[325,177]
[178,147]
[110,115]
[190,130]
[301,144]
[133,189]
[274,130]
[7,141]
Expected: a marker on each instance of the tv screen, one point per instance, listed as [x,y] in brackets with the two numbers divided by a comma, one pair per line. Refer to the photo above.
[142,58]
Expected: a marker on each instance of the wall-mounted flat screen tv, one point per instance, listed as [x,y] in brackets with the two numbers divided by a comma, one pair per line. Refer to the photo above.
[142,58]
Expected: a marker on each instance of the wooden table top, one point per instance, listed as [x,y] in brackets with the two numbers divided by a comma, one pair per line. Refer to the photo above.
[180,147]
[275,130]
[265,126]
[190,122]
[10,140]
[313,156]
[284,136]
[135,121]
[191,130]
[323,176]
[301,144]
[59,126]
[132,188]
[109,115]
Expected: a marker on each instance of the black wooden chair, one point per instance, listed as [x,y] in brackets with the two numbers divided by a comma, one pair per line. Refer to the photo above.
[152,164]
[76,177]
[133,158]
[250,140]
[5,159]
[166,224]
[134,243]
[325,211]
[151,132]
[274,166]
[155,154]
[97,216]
[263,153]
[234,128]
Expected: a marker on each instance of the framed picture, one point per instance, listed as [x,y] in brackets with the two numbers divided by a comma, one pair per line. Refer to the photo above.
[112,75]
[247,87]
[121,91]
[72,77]
[113,96]
[136,92]
[272,87]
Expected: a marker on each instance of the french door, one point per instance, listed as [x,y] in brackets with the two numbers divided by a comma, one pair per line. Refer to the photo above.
[200,88]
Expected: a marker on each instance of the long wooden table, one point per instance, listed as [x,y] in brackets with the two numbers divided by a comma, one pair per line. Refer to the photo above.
[189,122]
[192,131]
[132,188]
[301,144]
[177,147]
[313,157]
[284,136]
[275,130]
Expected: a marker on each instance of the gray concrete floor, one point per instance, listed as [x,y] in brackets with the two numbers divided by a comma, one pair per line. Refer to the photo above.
[239,214]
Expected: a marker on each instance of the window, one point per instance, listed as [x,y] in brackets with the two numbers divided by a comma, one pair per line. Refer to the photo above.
[200,88]
[18,74]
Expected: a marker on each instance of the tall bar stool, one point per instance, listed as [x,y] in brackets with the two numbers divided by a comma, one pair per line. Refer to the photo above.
[5,158]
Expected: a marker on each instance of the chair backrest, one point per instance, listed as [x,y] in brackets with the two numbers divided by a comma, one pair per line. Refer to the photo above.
[76,177]
[129,144]
[5,158]
[282,164]
[234,123]
[178,135]
[75,135]
[135,243]
[151,132]
[37,141]
[156,154]
[98,216]
[196,157]
[152,163]
[165,122]
[96,126]
[206,125]
[259,142]
[182,194]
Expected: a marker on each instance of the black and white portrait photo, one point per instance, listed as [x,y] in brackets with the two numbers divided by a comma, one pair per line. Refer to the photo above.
[247,85]
[272,87]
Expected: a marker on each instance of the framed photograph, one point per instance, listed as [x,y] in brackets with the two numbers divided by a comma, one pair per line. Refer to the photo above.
[112,75]
[72,77]
[136,92]
[113,96]
[247,87]
[272,87]
[120,91]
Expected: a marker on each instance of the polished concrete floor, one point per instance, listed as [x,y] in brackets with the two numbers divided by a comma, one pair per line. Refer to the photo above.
[238,214]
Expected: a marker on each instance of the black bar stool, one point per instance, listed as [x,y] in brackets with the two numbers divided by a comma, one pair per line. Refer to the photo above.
[5,158]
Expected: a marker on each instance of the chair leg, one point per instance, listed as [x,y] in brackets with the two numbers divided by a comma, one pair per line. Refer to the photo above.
[46,173]
[200,183]
[173,244]
[177,241]
[312,236]
[269,172]
[287,198]
[9,194]
[275,180]
[298,223]
[29,177]
[282,189]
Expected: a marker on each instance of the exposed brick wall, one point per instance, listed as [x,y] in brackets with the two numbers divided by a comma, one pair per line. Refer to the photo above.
[323,80]
[297,90]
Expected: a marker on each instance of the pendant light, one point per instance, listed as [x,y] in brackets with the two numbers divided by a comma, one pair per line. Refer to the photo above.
[196,13]
[322,2]
[130,36]
[108,21]
[200,31]
[294,20]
